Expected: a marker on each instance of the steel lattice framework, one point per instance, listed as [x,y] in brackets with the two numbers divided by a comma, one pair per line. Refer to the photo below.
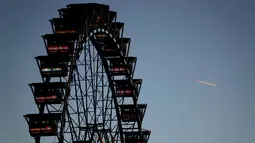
[89,93]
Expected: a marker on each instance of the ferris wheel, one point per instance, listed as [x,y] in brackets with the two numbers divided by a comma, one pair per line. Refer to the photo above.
[88,92]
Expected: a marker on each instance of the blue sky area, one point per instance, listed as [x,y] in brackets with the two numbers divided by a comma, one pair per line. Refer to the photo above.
[176,42]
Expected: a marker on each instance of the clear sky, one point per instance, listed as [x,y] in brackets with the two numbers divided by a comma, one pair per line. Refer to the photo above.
[176,42]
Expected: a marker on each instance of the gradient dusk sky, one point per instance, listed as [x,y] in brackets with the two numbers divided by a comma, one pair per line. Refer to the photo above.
[176,41]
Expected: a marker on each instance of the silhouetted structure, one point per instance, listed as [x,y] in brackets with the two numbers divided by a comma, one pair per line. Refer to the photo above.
[88,93]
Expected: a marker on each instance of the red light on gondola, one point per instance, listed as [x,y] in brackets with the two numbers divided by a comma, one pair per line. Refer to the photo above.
[118,69]
[98,19]
[100,35]
[47,97]
[42,99]
[48,128]
[124,92]
[34,129]
[65,31]
[53,48]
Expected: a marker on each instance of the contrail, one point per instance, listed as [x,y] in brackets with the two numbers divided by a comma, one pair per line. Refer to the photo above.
[206,83]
